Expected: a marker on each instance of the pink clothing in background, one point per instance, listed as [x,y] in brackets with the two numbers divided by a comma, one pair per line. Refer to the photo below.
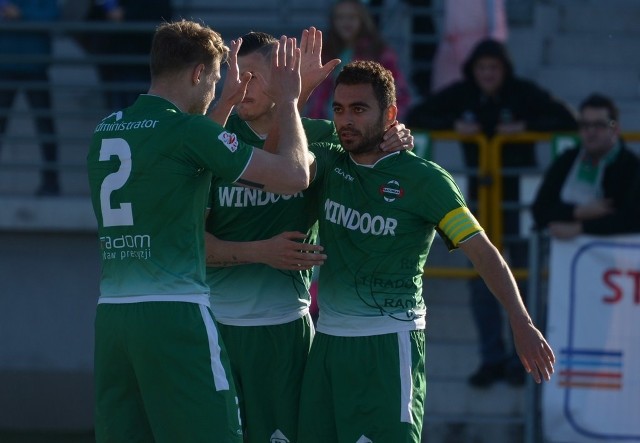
[466,22]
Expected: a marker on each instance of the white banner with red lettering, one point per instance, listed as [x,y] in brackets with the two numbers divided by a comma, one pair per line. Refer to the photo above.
[593,325]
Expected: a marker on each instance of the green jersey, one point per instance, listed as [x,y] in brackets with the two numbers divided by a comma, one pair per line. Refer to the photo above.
[377,224]
[257,294]
[150,168]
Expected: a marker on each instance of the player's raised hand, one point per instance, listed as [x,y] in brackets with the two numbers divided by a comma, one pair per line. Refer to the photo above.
[312,71]
[235,83]
[234,87]
[285,82]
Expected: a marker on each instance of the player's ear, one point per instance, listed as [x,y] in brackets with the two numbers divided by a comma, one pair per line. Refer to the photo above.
[197,73]
[391,113]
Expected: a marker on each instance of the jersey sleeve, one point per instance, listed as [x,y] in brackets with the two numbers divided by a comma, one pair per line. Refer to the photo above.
[325,154]
[318,131]
[448,210]
[212,147]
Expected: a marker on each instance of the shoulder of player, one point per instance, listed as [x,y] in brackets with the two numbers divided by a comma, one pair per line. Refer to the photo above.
[306,121]
[420,168]
[201,123]
[325,148]
[411,159]
[200,132]
[234,122]
[317,124]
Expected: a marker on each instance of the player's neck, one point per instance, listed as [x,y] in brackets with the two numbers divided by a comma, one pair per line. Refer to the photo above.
[261,125]
[368,158]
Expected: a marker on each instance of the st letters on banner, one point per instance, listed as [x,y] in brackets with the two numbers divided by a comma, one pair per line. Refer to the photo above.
[593,325]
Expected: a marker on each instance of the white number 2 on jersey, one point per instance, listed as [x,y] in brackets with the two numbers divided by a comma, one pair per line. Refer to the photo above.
[122,216]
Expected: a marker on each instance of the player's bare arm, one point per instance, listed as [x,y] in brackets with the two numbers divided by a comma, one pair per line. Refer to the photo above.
[289,171]
[535,353]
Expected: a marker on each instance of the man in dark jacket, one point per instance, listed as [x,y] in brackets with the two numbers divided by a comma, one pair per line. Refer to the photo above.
[587,189]
[491,100]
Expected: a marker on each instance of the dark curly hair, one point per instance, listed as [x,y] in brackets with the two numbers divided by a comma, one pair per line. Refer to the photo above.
[373,73]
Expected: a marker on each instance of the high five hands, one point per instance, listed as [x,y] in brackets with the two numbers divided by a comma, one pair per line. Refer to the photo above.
[312,71]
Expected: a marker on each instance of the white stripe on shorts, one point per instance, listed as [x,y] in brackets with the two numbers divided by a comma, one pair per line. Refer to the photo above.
[219,374]
[406,380]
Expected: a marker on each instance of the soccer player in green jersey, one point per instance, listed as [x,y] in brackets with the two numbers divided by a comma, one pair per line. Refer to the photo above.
[161,373]
[262,306]
[364,379]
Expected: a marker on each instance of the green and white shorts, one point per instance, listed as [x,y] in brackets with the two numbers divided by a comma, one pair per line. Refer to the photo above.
[364,389]
[162,375]
[268,363]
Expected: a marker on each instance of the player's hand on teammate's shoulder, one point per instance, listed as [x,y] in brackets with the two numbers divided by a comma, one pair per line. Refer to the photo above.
[397,138]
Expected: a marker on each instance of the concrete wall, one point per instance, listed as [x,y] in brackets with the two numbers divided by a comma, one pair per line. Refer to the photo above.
[48,293]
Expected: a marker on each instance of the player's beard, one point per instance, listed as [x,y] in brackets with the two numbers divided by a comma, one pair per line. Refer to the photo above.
[367,140]
[201,106]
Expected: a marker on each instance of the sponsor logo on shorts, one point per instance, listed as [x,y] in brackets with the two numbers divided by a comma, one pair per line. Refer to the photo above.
[364,439]
[278,437]
[229,140]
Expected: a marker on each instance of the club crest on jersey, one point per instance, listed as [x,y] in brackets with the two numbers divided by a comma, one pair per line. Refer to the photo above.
[230,140]
[391,191]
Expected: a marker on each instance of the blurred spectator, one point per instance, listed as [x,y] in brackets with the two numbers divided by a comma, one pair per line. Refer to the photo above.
[30,77]
[423,48]
[353,35]
[466,23]
[586,190]
[634,209]
[491,100]
[412,34]
[125,43]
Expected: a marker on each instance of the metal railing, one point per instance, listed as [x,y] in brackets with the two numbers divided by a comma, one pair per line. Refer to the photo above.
[490,214]
[490,172]
[74,121]
[75,103]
